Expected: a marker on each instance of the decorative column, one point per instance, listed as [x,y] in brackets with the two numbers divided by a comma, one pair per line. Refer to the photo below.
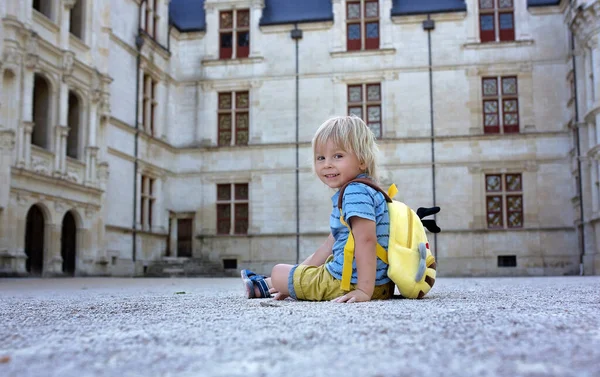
[256,9]
[52,258]
[27,131]
[65,23]
[137,198]
[31,62]
[62,130]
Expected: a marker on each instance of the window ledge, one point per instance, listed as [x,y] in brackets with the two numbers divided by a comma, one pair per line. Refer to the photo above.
[354,53]
[487,45]
[78,43]
[242,61]
[46,22]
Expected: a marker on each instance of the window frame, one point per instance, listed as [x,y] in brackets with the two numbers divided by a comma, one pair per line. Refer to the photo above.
[147,200]
[151,14]
[496,11]
[149,103]
[365,104]
[235,51]
[363,20]
[501,98]
[234,112]
[233,202]
[504,193]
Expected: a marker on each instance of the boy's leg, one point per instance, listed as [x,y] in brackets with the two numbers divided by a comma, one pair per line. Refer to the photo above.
[279,279]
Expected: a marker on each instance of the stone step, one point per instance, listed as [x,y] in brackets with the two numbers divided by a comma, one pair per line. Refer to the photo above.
[171,267]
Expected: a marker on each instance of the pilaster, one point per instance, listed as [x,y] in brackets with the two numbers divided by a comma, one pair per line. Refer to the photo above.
[256,10]
[64,22]
[7,144]
[52,258]
[339,29]
[386,26]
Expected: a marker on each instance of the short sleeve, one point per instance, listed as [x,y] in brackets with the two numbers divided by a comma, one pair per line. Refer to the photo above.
[358,201]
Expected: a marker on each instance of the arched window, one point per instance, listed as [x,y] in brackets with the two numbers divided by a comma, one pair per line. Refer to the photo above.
[74,115]
[77,19]
[44,7]
[41,112]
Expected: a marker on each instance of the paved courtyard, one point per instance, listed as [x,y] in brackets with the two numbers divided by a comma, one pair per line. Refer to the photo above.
[204,327]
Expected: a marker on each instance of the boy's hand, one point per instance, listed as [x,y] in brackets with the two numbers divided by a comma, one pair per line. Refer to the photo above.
[353,296]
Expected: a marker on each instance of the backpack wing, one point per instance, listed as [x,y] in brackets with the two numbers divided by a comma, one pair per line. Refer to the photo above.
[412,267]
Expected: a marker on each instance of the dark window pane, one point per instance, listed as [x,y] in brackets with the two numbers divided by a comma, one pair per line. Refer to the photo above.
[354,32]
[487,22]
[224,192]
[226,40]
[373,30]
[243,39]
[241,191]
[506,21]
[224,101]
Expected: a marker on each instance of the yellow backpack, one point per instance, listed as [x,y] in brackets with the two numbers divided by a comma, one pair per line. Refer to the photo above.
[412,267]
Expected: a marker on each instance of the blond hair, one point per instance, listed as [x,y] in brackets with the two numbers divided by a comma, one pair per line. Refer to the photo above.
[351,134]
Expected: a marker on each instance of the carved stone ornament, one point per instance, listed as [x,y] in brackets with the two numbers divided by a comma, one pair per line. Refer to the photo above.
[7,139]
[105,105]
[32,57]
[67,62]
[11,55]
[59,207]
[40,165]
[69,3]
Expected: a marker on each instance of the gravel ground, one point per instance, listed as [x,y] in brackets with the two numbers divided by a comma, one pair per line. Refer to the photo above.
[204,327]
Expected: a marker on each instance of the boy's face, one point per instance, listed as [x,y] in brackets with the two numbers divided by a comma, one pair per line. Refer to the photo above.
[335,166]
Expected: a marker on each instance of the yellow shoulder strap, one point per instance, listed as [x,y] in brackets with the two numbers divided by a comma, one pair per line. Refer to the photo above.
[349,248]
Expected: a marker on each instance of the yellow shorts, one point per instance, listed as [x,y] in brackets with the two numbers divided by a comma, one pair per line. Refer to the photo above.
[313,283]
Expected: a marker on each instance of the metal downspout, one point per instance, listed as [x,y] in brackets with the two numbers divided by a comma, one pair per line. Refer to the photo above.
[581,226]
[139,42]
[429,25]
[296,35]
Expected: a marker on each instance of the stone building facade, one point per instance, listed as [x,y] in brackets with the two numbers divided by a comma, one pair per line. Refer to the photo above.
[145,133]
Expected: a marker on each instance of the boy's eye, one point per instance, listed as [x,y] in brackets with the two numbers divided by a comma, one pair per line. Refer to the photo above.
[320,158]
[338,155]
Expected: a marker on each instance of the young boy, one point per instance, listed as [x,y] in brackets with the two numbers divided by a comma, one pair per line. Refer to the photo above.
[344,149]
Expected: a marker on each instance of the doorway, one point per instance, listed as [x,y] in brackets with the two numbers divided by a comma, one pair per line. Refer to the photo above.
[68,244]
[34,241]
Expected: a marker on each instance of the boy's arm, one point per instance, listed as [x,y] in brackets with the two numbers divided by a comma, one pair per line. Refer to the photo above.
[323,252]
[365,241]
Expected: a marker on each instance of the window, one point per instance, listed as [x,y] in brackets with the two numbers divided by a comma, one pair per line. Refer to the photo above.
[365,99]
[232,210]
[147,202]
[362,25]
[148,103]
[234,118]
[77,16]
[152,18]
[44,7]
[234,34]
[504,200]
[500,107]
[493,13]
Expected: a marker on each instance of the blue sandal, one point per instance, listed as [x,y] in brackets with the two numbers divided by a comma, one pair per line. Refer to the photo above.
[251,280]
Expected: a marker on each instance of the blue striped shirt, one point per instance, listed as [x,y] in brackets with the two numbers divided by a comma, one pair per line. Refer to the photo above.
[362,201]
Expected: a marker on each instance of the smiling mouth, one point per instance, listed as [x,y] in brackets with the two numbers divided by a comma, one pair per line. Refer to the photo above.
[331,175]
